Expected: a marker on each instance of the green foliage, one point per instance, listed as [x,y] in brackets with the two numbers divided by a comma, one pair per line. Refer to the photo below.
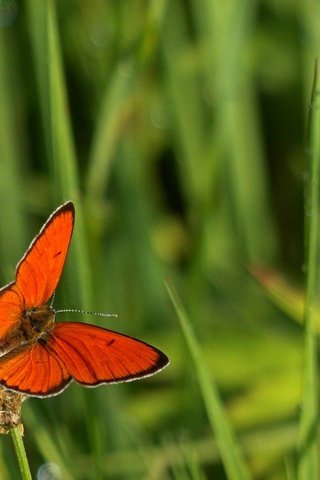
[176,128]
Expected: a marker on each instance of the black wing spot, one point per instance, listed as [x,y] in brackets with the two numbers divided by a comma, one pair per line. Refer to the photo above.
[57,254]
[111,342]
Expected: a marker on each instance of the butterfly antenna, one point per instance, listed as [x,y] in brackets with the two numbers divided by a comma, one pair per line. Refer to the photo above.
[52,299]
[86,312]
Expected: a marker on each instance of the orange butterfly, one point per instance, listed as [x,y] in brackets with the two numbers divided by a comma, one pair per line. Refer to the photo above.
[39,357]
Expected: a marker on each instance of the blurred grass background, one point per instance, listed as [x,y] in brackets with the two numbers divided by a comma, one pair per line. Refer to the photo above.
[178,129]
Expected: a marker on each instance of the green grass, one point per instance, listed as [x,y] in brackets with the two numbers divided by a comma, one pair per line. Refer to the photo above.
[308,466]
[230,452]
[178,129]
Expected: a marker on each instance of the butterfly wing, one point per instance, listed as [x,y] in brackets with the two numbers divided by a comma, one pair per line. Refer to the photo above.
[10,309]
[39,270]
[33,370]
[86,353]
[94,355]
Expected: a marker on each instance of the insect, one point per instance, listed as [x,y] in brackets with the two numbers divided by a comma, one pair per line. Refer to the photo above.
[39,357]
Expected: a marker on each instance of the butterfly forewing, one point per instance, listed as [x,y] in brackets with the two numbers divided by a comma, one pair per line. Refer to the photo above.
[37,274]
[94,355]
[39,271]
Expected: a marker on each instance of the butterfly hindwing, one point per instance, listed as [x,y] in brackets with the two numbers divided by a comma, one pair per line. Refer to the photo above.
[33,370]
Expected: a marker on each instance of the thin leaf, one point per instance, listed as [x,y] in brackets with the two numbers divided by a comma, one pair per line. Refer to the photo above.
[230,451]
[308,466]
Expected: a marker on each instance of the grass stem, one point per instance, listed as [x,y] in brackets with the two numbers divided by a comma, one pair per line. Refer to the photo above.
[21,453]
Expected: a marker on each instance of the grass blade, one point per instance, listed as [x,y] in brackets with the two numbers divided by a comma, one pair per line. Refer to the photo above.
[63,156]
[308,466]
[230,452]
[12,166]
[115,107]
[21,453]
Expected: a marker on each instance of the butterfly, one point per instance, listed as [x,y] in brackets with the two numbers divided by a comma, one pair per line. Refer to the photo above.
[39,357]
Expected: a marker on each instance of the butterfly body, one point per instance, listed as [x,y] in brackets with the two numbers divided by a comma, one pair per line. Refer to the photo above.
[39,357]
